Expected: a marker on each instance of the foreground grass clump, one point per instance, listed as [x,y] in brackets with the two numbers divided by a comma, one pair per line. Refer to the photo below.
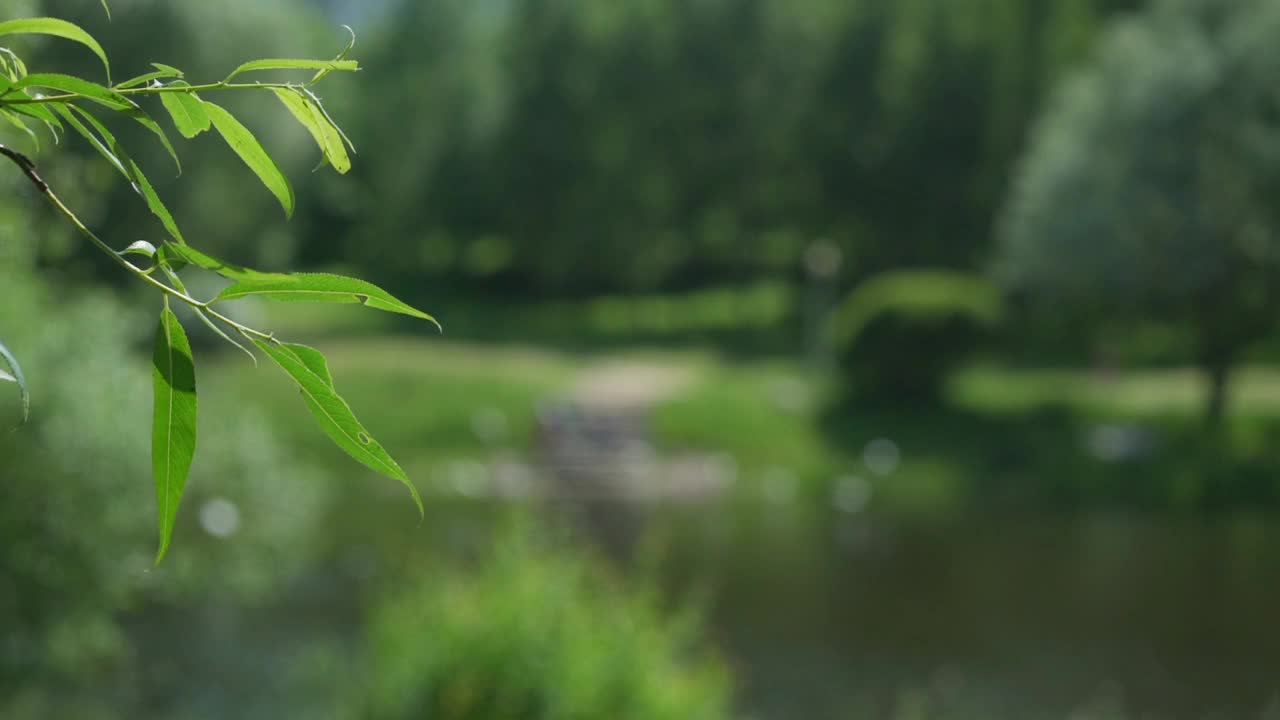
[536,633]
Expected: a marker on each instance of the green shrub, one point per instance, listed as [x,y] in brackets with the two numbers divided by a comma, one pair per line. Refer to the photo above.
[533,633]
[899,334]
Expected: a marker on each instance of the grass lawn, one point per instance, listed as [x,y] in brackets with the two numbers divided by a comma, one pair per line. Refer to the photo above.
[1009,436]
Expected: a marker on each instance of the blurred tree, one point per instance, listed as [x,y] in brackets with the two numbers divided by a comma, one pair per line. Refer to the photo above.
[1151,181]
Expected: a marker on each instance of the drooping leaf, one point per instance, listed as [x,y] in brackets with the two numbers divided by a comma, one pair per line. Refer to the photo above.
[15,375]
[314,360]
[98,143]
[317,123]
[105,143]
[57,28]
[173,435]
[20,124]
[294,64]
[172,274]
[186,110]
[351,42]
[334,415]
[320,106]
[106,8]
[79,86]
[43,113]
[251,152]
[320,287]
[145,121]
[186,253]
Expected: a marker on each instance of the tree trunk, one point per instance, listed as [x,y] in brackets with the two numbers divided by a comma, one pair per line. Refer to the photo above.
[1219,370]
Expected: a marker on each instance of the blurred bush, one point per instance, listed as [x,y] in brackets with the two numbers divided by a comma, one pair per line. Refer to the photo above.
[898,335]
[535,632]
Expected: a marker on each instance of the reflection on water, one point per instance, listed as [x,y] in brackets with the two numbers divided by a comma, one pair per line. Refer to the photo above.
[1029,616]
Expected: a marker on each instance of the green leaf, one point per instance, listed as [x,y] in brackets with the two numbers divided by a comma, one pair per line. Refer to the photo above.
[79,86]
[15,375]
[251,152]
[140,247]
[294,64]
[314,360]
[320,287]
[21,125]
[57,28]
[173,434]
[146,78]
[186,253]
[106,8]
[186,110]
[332,412]
[111,150]
[145,121]
[99,143]
[317,123]
[40,112]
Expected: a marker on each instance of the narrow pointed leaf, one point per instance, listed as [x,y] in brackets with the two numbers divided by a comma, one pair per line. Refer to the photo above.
[98,143]
[57,28]
[145,121]
[145,78]
[15,375]
[334,415]
[251,152]
[106,8]
[105,143]
[79,86]
[320,287]
[173,435]
[294,64]
[186,110]
[314,360]
[40,112]
[324,132]
[187,253]
[20,124]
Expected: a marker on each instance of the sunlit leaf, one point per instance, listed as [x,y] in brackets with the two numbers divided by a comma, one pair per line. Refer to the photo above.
[140,247]
[316,123]
[314,360]
[78,86]
[333,414]
[57,28]
[98,143]
[186,110]
[251,152]
[173,436]
[15,375]
[320,287]
[294,64]
[186,253]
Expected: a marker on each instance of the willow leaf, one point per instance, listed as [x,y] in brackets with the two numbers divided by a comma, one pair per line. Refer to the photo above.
[15,375]
[187,111]
[320,287]
[57,28]
[294,64]
[78,86]
[173,434]
[185,253]
[251,152]
[317,123]
[334,415]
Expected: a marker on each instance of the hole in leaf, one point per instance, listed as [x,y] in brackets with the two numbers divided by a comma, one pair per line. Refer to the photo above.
[364,299]
[364,438]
